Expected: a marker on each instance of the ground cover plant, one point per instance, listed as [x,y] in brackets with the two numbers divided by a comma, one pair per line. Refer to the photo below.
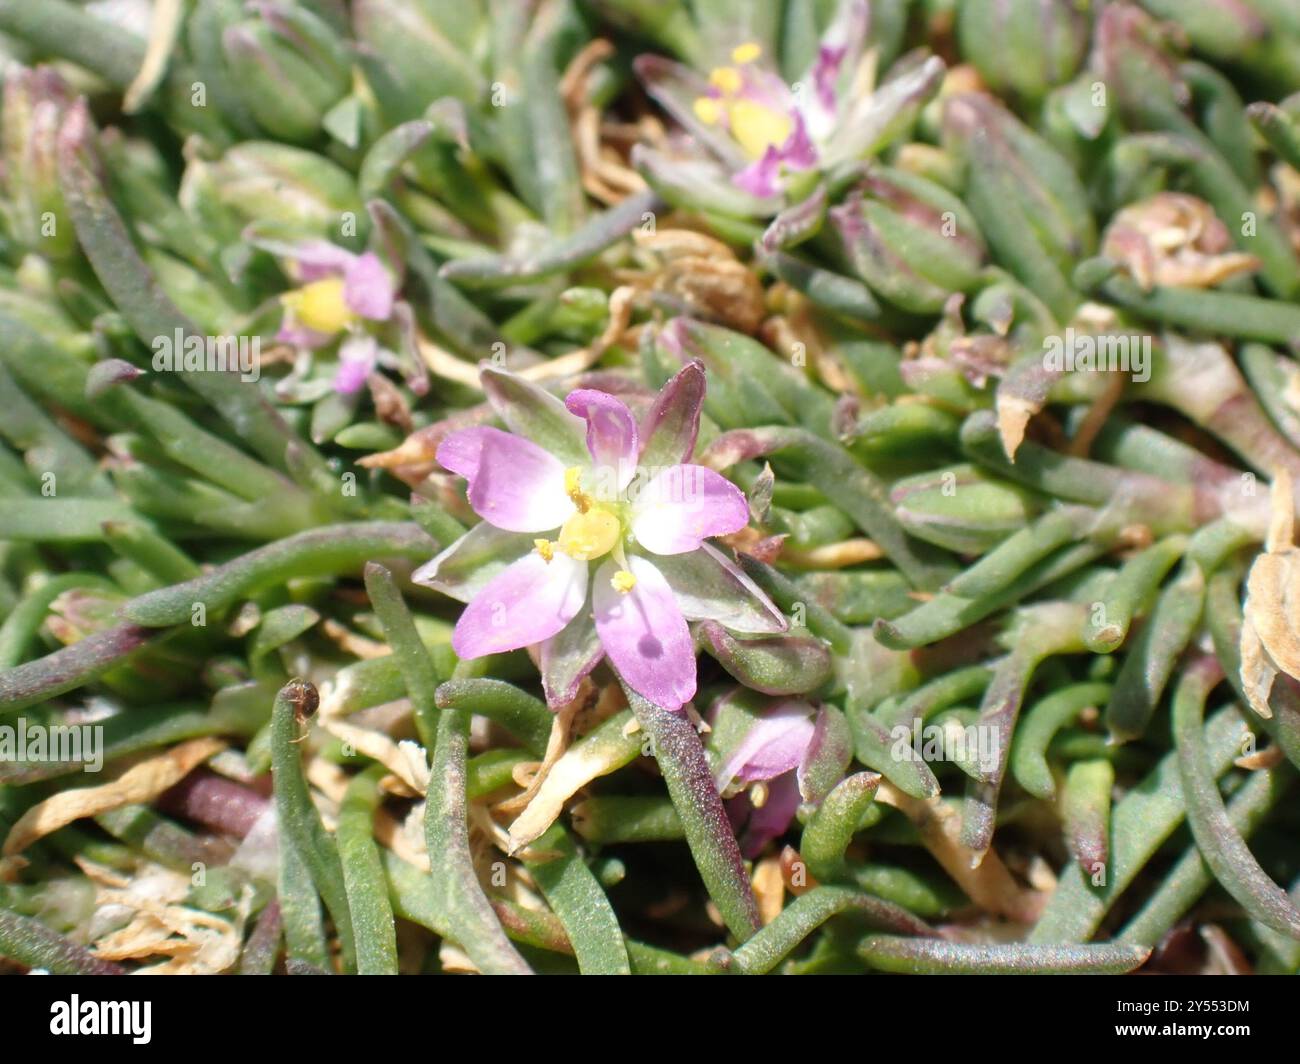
[613,486]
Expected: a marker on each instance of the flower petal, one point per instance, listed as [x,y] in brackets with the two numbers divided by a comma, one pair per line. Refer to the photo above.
[368,288]
[611,432]
[836,64]
[513,483]
[645,634]
[467,566]
[316,259]
[299,336]
[761,178]
[772,819]
[670,429]
[358,357]
[684,504]
[527,603]
[709,586]
[775,744]
[312,259]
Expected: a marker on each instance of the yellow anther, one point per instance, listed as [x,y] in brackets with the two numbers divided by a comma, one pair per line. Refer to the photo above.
[727,79]
[320,305]
[622,581]
[573,488]
[758,128]
[707,110]
[590,534]
[746,53]
[545,548]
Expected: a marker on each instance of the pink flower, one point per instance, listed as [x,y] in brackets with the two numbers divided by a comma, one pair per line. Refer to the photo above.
[594,538]
[338,291]
[772,766]
[758,132]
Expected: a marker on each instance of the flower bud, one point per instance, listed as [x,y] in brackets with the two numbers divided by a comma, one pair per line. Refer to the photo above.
[912,241]
[290,69]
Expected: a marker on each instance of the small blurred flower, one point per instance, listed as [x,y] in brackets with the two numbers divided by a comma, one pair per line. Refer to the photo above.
[764,132]
[580,484]
[339,292]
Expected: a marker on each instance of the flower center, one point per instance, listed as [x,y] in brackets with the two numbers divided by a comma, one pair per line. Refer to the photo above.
[590,534]
[321,305]
[755,126]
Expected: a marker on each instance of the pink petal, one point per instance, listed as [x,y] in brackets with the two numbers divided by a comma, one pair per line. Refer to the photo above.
[773,818]
[611,432]
[774,745]
[513,483]
[317,259]
[798,152]
[300,336]
[645,634]
[358,357]
[826,72]
[761,178]
[367,287]
[764,177]
[527,603]
[684,504]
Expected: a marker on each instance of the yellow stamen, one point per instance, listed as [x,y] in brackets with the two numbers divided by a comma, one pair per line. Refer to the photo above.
[707,110]
[573,488]
[320,305]
[545,548]
[758,128]
[590,534]
[622,581]
[746,53]
[727,79]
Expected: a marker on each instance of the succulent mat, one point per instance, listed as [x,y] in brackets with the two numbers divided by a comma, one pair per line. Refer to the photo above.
[655,486]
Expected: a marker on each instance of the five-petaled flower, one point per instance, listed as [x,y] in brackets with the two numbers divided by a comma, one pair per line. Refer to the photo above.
[594,539]
[765,132]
